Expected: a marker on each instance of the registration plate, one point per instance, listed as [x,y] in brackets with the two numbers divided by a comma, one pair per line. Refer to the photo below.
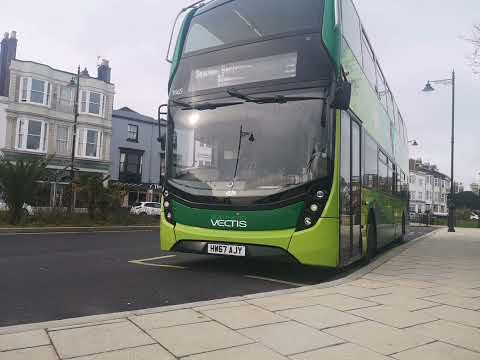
[229,250]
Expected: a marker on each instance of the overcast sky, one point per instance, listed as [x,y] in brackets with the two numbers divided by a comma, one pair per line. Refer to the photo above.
[415,40]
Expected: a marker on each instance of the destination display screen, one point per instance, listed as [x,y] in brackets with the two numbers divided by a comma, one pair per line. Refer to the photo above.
[274,67]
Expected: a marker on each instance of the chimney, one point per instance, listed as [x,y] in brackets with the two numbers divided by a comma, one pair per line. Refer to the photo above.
[85,73]
[104,71]
[8,52]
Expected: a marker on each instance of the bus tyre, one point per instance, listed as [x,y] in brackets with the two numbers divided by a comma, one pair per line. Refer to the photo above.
[371,241]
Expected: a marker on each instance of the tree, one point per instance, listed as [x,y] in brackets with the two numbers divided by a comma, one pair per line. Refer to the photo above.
[19,182]
[99,197]
[467,200]
[475,41]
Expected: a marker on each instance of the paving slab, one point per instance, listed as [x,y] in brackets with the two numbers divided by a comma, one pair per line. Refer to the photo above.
[343,302]
[407,302]
[416,284]
[450,332]
[394,316]
[416,293]
[362,292]
[317,292]
[97,339]
[290,337]
[454,314]
[283,302]
[23,340]
[148,352]
[36,353]
[371,284]
[253,352]
[347,351]
[197,338]
[437,351]
[378,337]
[85,324]
[243,316]
[453,300]
[320,317]
[170,318]
[220,306]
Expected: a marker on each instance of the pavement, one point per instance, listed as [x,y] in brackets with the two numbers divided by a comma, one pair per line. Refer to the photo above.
[420,300]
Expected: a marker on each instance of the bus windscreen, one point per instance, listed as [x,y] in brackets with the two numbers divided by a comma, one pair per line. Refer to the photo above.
[250,20]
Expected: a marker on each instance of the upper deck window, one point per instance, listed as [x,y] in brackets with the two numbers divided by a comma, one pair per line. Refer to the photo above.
[249,20]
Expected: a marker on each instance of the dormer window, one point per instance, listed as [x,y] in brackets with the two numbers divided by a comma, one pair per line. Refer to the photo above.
[35,91]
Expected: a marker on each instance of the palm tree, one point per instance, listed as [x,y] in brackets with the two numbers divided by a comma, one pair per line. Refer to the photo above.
[98,196]
[18,183]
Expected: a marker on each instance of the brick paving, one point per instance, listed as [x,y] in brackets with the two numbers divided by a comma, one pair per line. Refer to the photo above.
[423,303]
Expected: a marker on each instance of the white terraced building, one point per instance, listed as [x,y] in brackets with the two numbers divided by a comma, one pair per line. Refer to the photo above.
[429,189]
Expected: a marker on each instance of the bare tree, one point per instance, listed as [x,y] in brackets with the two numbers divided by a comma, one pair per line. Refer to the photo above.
[475,41]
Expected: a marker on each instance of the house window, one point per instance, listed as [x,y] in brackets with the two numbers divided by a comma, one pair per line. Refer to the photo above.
[35,91]
[420,196]
[412,195]
[92,103]
[89,143]
[131,162]
[65,99]
[412,179]
[32,135]
[436,182]
[132,133]
[62,139]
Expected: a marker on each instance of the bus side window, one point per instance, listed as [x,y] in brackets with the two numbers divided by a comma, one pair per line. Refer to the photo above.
[382,172]
[404,187]
[389,188]
[370,163]
[398,189]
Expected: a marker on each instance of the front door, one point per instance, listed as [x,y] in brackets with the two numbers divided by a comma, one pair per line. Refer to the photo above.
[350,184]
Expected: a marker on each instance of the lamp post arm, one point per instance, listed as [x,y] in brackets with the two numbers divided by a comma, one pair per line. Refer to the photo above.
[442,81]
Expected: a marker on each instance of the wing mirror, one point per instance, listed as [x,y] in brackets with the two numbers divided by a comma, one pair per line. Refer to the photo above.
[162,125]
[342,96]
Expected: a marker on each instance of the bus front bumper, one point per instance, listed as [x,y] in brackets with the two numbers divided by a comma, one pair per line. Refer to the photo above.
[317,246]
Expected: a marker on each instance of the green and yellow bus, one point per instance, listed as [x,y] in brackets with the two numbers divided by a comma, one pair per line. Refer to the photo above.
[282,136]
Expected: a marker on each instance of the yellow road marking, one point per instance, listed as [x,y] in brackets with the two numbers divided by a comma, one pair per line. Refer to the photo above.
[275,280]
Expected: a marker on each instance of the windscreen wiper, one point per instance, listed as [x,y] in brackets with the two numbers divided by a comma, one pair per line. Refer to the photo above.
[276,99]
[204,106]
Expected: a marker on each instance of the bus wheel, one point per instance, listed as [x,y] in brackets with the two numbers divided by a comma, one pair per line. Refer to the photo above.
[371,240]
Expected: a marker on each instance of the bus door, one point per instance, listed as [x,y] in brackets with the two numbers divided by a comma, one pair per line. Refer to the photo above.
[350,185]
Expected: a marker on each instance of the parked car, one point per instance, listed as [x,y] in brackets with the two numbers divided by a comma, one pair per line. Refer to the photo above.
[146,208]
[474,216]
[27,209]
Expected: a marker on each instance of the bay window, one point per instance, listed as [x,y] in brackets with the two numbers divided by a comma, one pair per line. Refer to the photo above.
[92,103]
[35,91]
[89,143]
[32,135]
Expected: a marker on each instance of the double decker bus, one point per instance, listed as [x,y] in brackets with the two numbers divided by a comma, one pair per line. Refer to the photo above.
[282,136]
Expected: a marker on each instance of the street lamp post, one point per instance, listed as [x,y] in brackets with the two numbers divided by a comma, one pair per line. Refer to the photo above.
[451,202]
[75,83]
